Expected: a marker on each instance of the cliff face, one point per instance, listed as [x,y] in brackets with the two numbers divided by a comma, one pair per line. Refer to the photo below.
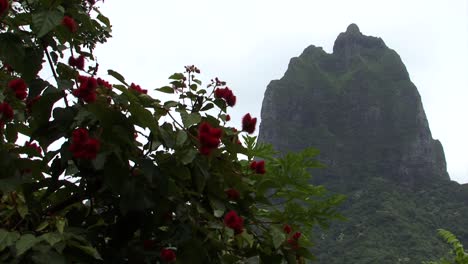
[359,107]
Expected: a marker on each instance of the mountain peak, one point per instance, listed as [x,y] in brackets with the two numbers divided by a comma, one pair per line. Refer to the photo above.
[353,29]
[353,42]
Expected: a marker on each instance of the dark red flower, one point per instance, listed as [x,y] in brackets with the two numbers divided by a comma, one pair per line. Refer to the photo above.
[228,118]
[287,228]
[148,244]
[168,255]
[3,6]
[209,138]
[296,235]
[258,167]
[82,146]
[248,124]
[70,24]
[33,146]
[227,95]
[234,221]
[7,67]
[232,194]
[77,62]
[6,112]
[103,83]
[192,68]
[87,89]
[19,87]
[138,88]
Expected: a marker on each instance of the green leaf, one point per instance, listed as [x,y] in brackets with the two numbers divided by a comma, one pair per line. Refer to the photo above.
[90,251]
[166,89]
[10,133]
[143,117]
[25,243]
[181,137]
[188,156]
[60,224]
[117,76]
[7,238]
[190,119]
[12,50]
[42,226]
[103,19]
[177,76]
[277,236]
[52,238]
[208,106]
[44,22]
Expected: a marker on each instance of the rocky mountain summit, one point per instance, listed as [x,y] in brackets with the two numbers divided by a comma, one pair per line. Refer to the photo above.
[359,107]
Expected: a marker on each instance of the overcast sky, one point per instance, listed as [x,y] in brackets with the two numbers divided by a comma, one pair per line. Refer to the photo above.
[250,42]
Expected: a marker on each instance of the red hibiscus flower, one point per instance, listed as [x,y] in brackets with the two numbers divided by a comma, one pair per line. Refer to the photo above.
[168,255]
[33,146]
[87,89]
[227,95]
[70,24]
[138,88]
[103,83]
[232,194]
[19,87]
[296,235]
[258,166]
[79,62]
[209,138]
[82,146]
[248,124]
[234,221]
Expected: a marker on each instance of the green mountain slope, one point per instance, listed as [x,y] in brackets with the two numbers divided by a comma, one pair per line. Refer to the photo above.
[359,107]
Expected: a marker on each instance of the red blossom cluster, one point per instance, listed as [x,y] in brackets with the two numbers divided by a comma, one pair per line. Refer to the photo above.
[87,89]
[79,62]
[70,24]
[138,88]
[232,194]
[287,228]
[3,6]
[248,124]
[227,95]
[33,146]
[192,68]
[19,87]
[228,118]
[234,221]
[258,167]
[294,240]
[209,138]
[104,83]
[168,255]
[83,146]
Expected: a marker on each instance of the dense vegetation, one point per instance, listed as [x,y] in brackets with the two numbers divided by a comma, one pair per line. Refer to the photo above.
[99,172]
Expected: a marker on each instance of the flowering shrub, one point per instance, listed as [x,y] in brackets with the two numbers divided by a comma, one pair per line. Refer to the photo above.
[94,170]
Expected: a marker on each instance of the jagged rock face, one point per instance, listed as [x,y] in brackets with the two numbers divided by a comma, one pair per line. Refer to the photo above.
[359,107]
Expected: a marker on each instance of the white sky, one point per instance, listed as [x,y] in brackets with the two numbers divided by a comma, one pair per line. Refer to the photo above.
[249,42]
